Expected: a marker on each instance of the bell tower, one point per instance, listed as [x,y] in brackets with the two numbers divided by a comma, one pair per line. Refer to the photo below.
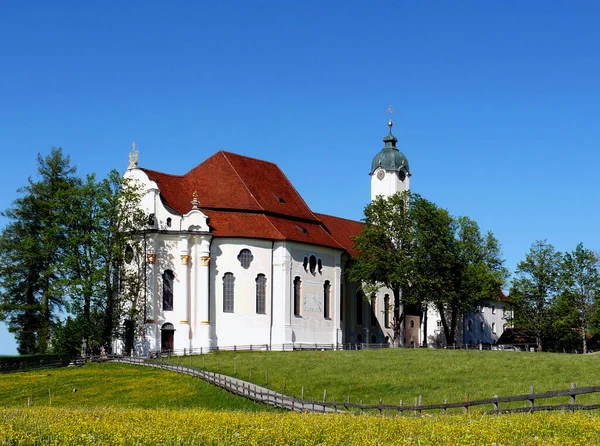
[389,170]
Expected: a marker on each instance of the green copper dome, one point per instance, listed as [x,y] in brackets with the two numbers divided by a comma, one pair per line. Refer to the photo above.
[390,158]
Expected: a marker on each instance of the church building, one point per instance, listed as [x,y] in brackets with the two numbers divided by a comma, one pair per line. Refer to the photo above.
[235,257]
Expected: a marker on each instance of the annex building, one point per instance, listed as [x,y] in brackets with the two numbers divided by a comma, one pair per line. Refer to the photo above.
[234,256]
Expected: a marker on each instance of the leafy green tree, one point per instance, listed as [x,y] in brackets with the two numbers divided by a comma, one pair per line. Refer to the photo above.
[386,246]
[31,246]
[425,257]
[580,284]
[104,216]
[534,289]
[434,258]
[477,275]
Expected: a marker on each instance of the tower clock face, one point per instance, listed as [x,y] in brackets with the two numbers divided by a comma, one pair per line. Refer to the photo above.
[380,174]
[402,175]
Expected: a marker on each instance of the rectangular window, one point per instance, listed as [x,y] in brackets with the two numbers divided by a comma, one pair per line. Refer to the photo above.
[168,278]
[228,297]
[386,311]
[297,295]
[326,304]
[261,291]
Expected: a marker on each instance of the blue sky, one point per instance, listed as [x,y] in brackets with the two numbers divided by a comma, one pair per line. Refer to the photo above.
[497,102]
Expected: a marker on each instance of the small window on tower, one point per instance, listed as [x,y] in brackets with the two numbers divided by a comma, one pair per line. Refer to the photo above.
[402,175]
[169,222]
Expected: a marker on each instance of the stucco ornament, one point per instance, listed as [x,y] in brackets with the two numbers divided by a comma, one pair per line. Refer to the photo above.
[133,157]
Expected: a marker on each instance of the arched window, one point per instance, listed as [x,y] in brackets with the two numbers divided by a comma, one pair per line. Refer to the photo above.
[168,278]
[228,281]
[326,294]
[320,266]
[386,311]
[245,257]
[169,222]
[494,327]
[305,264]
[312,264]
[359,308]
[412,324]
[297,295]
[261,291]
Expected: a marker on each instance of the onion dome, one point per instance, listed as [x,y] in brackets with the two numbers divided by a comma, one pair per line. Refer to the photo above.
[390,158]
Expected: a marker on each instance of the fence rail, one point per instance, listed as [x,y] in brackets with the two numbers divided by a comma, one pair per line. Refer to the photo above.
[267,396]
[309,346]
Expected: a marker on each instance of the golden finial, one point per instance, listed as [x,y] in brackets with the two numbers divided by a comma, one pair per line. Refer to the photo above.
[195,201]
[390,110]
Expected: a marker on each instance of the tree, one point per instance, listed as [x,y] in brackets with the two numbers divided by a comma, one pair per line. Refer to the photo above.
[477,274]
[433,258]
[31,246]
[580,284]
[534,288]
[386,251]
[424,256]
[102,220]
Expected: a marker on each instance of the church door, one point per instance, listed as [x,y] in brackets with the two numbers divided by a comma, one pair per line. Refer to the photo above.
[167,335]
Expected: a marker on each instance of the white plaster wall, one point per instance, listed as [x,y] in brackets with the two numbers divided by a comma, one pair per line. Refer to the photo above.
[389,185]
[311,326]
[244,326]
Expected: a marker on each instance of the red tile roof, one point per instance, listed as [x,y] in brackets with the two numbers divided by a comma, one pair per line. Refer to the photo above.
[342,230]
[247,197]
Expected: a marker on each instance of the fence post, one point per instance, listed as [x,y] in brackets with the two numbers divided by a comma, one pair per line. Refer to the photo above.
[531,400]
[496,405]
[361,407]
[302,393]
[380,405]
[400,407]
[466,406]
[573,386]
[445,408]
[324,395]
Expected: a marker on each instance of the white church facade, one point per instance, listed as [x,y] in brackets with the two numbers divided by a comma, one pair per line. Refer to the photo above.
[235,257]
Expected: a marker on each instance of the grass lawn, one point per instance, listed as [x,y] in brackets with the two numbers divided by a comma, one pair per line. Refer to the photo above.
[116,385]
[403,374]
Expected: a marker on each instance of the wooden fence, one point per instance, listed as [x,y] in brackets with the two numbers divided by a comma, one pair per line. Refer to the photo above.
[265,396]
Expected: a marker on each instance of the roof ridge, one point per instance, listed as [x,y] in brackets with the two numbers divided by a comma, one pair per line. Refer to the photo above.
[249,157]
[243,182]
[339,218]
[145,169]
